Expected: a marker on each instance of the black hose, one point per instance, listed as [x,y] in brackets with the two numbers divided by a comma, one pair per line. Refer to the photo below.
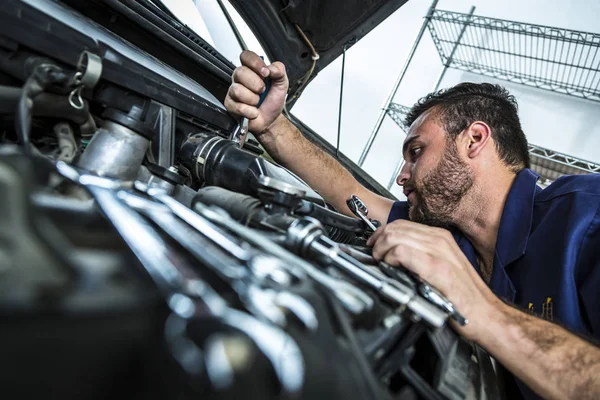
[43,75]
[44,105]
[24,107]
[240,207]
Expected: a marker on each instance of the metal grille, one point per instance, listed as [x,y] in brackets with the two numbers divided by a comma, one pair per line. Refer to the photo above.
[559,60]
[551,164]
[398,112]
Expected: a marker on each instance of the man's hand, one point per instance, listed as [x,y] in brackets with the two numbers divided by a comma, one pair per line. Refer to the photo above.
[432,253]
[248,84]
[552,361]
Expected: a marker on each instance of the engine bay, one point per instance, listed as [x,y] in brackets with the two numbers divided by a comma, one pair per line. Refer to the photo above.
[145,254]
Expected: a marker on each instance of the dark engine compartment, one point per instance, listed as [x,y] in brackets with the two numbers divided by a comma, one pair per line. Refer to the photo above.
[143,254]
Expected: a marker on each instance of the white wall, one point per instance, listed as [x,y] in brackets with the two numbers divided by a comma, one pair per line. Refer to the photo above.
[554,121]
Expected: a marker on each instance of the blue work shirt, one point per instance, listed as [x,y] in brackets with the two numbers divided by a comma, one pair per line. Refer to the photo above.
[547,259]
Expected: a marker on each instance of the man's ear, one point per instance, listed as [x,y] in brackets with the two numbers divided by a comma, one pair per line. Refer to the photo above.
[477,136]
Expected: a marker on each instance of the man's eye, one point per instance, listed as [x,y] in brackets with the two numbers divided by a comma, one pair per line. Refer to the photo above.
[414,152]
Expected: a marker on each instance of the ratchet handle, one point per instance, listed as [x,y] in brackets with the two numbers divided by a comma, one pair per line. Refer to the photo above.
[263,95]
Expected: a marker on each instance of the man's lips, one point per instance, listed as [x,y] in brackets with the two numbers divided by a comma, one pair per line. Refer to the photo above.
[410,195]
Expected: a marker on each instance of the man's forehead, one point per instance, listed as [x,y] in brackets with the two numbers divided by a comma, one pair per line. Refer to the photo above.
[424,126]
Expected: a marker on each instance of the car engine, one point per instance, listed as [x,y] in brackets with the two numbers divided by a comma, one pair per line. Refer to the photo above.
[145,254]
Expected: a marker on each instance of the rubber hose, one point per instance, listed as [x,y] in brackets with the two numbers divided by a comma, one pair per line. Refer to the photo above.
[44,105]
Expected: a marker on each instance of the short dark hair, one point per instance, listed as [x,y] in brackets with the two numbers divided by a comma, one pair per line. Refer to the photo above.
[461,105]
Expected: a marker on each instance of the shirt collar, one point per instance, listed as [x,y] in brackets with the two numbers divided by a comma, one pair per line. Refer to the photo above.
[516,220]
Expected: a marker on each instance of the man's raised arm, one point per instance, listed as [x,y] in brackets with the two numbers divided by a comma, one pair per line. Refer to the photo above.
[286,144]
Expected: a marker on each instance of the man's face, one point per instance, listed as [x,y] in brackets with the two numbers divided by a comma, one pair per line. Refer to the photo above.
[434,177]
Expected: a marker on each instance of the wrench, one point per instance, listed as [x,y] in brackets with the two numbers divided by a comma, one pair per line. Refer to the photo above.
[240,135]
[359,208]
[173,276]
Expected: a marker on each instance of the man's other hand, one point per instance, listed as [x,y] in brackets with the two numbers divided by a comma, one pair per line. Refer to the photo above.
[247,85]
[432,253]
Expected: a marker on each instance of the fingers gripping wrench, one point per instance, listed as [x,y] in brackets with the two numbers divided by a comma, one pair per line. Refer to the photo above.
[240,135]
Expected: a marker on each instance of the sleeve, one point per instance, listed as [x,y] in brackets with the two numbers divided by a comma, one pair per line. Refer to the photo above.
[399,211]
[589,259]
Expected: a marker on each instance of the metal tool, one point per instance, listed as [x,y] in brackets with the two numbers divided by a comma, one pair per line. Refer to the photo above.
[428,292]
[250,284]
[440,300]
[353,299]
[359,208]
[240,135]
[307,237]
[238,249]
[175,277]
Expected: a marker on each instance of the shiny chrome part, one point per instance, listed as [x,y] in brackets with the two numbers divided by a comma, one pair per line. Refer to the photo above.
[277,185]
[75,175]
[281,349]
[238,250]
[90,67]
[359,208]
[307,237]
[299,307]
[261,302]
[89,70]
[203,153]
[440,300]
[166,136]
[175,278]
[240,135]
[156,182]
[267,267]
[357,254]
[353,299]
[219,369]
[302,232]
[114,151]
[142,239]
[391,290]
[181,232]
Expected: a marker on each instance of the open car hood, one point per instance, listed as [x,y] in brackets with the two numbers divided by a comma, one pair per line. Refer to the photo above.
[329,26]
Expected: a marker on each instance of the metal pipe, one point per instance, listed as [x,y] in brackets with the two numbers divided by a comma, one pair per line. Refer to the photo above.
[337,147]
[371,139]
[233,26]
[451,56]
[435,88]
[166,136]
[115,151]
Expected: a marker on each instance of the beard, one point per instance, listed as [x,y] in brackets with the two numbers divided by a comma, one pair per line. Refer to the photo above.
[441,190]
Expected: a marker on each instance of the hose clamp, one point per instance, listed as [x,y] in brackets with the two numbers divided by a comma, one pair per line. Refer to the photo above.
[89,70]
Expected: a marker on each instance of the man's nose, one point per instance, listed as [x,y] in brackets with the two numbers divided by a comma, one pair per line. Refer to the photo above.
[404,174]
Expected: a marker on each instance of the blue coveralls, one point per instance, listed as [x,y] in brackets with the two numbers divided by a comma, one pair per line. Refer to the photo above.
[547,259]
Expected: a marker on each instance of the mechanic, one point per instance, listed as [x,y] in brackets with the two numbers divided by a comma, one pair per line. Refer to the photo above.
[522,264]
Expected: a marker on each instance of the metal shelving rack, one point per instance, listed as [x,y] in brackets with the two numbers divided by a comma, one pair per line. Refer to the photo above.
[552,59]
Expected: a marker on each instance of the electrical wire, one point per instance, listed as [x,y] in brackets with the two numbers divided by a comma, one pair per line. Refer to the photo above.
[314,56]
